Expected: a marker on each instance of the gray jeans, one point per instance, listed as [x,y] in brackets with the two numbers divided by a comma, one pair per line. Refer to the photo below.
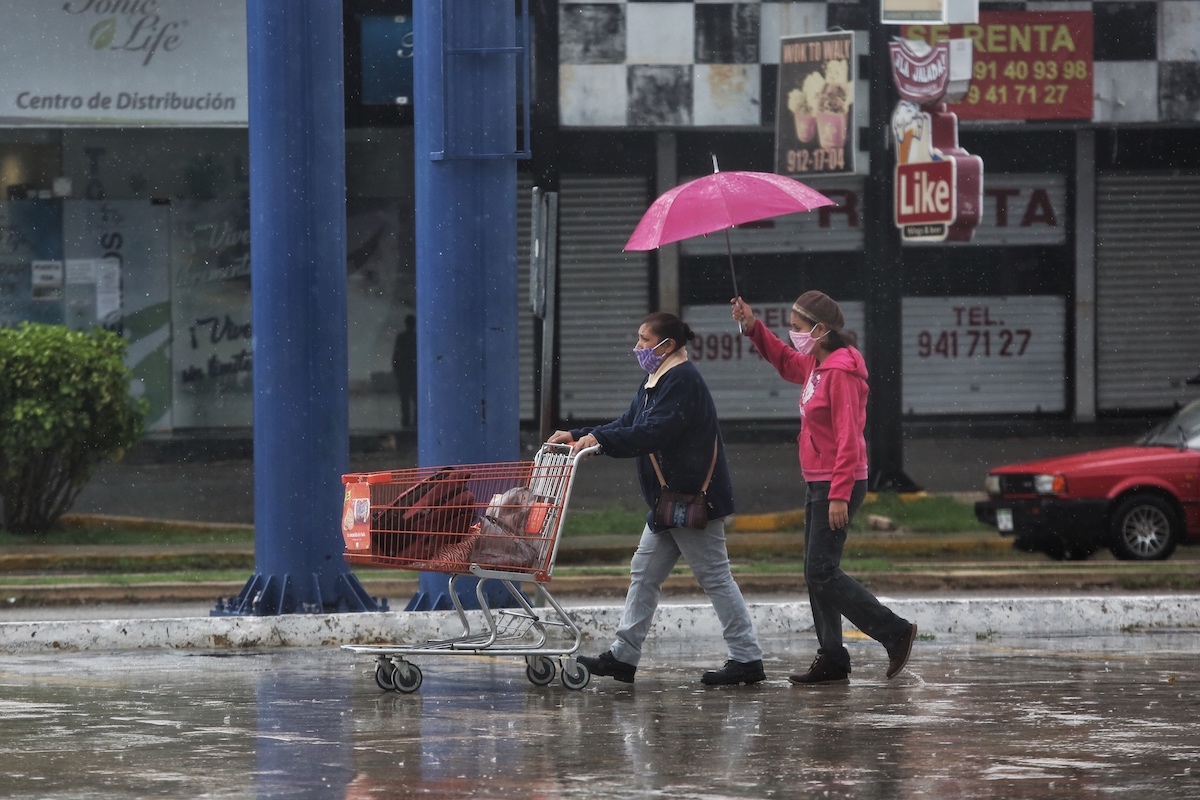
[832,593]
[656,555]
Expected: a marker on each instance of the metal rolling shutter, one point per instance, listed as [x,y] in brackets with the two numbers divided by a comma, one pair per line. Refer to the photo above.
[984,355]
[525,318]
[604,293]
[1147,289]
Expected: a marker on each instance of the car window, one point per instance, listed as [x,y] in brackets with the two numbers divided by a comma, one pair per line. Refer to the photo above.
[1183,429]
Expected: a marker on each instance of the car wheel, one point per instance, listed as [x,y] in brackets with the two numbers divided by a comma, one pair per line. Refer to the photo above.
[1144,528]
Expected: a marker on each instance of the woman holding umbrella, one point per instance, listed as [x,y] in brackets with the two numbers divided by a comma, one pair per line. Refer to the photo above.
[671,429]
[833,461]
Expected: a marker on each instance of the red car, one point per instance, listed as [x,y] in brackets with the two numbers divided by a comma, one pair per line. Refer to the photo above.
[1139,501]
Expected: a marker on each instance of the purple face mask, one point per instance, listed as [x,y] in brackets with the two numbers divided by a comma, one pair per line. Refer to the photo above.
[647,358]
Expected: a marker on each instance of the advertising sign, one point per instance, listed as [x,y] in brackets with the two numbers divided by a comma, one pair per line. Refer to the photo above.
[814,120]
[899,12]
[103,62]
[1028,65]
[356,516]
[938,185]
[930,74]
[926,196]
[387,59]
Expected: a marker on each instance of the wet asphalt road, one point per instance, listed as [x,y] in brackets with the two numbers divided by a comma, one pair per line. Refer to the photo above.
[1084,717]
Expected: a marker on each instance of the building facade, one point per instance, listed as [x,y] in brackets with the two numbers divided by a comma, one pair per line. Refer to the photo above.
[124,163]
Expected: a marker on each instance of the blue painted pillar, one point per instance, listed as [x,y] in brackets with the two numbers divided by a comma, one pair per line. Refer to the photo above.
[465,106]
[298,278]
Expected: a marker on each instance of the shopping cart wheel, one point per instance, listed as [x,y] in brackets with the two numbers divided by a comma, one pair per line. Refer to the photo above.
[539,670]
[383,675]
[407,677]
[576,675]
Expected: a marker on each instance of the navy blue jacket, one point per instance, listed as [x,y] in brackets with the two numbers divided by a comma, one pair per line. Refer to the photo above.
[677,421]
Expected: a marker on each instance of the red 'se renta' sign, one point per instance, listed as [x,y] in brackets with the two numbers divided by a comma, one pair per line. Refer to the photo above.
[1027,64]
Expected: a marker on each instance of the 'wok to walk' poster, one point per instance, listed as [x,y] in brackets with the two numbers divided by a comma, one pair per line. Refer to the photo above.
[814,119]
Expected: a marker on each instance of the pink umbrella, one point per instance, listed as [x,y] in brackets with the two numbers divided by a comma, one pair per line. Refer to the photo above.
[718,202]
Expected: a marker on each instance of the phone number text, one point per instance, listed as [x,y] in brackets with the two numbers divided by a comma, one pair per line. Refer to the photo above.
[974,343]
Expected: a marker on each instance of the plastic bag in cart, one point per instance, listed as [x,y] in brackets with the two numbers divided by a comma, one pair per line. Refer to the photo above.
[510,531]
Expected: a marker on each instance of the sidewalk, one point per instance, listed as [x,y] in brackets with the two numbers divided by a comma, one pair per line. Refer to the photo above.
[610,552]
[766,476]
[768,489]
[591,568]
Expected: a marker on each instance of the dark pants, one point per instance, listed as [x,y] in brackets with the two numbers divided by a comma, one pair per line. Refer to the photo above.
[832,593]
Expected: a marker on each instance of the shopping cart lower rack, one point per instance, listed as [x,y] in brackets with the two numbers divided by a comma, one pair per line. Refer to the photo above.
[491,521]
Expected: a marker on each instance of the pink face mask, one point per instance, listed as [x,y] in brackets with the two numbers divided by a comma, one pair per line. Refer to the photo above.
[805,342]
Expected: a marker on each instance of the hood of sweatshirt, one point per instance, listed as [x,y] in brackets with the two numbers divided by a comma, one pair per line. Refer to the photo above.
[847,359]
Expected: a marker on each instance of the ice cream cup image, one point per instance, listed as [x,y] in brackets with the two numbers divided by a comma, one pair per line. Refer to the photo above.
[832,110]
[806,126]
[831,129]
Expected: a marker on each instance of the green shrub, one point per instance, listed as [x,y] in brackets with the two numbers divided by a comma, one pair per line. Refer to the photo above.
[64,407]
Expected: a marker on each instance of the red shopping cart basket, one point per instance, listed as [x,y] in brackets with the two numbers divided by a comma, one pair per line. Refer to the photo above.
[499,517]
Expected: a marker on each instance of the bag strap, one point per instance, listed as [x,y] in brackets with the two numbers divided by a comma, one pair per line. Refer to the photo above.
[707,480]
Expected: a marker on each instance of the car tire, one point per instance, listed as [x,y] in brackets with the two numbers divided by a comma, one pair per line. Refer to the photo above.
[1144,527]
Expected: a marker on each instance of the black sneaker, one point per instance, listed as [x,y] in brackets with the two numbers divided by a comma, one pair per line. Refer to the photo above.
[607,664]
[900,650]
[735,672]
[822,671]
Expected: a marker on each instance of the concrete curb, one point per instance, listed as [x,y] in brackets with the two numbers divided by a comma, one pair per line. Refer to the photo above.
[982,617]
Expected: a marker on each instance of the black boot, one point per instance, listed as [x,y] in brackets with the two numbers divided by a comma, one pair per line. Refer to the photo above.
[899,651]
[822,671]
[607,664]
[735,672]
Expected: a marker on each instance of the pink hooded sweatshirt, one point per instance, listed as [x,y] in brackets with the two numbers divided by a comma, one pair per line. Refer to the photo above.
[833,410]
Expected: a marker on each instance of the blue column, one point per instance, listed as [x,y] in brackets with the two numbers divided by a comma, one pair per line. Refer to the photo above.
[465,106]
[298,275]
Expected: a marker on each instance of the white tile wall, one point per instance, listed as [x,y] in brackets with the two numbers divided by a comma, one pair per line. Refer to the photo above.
[1179,30]
[660,33]
[726,94]
[592,94]
[1125,91]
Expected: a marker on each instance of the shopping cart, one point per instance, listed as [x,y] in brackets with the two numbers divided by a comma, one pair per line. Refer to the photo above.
[491,521]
